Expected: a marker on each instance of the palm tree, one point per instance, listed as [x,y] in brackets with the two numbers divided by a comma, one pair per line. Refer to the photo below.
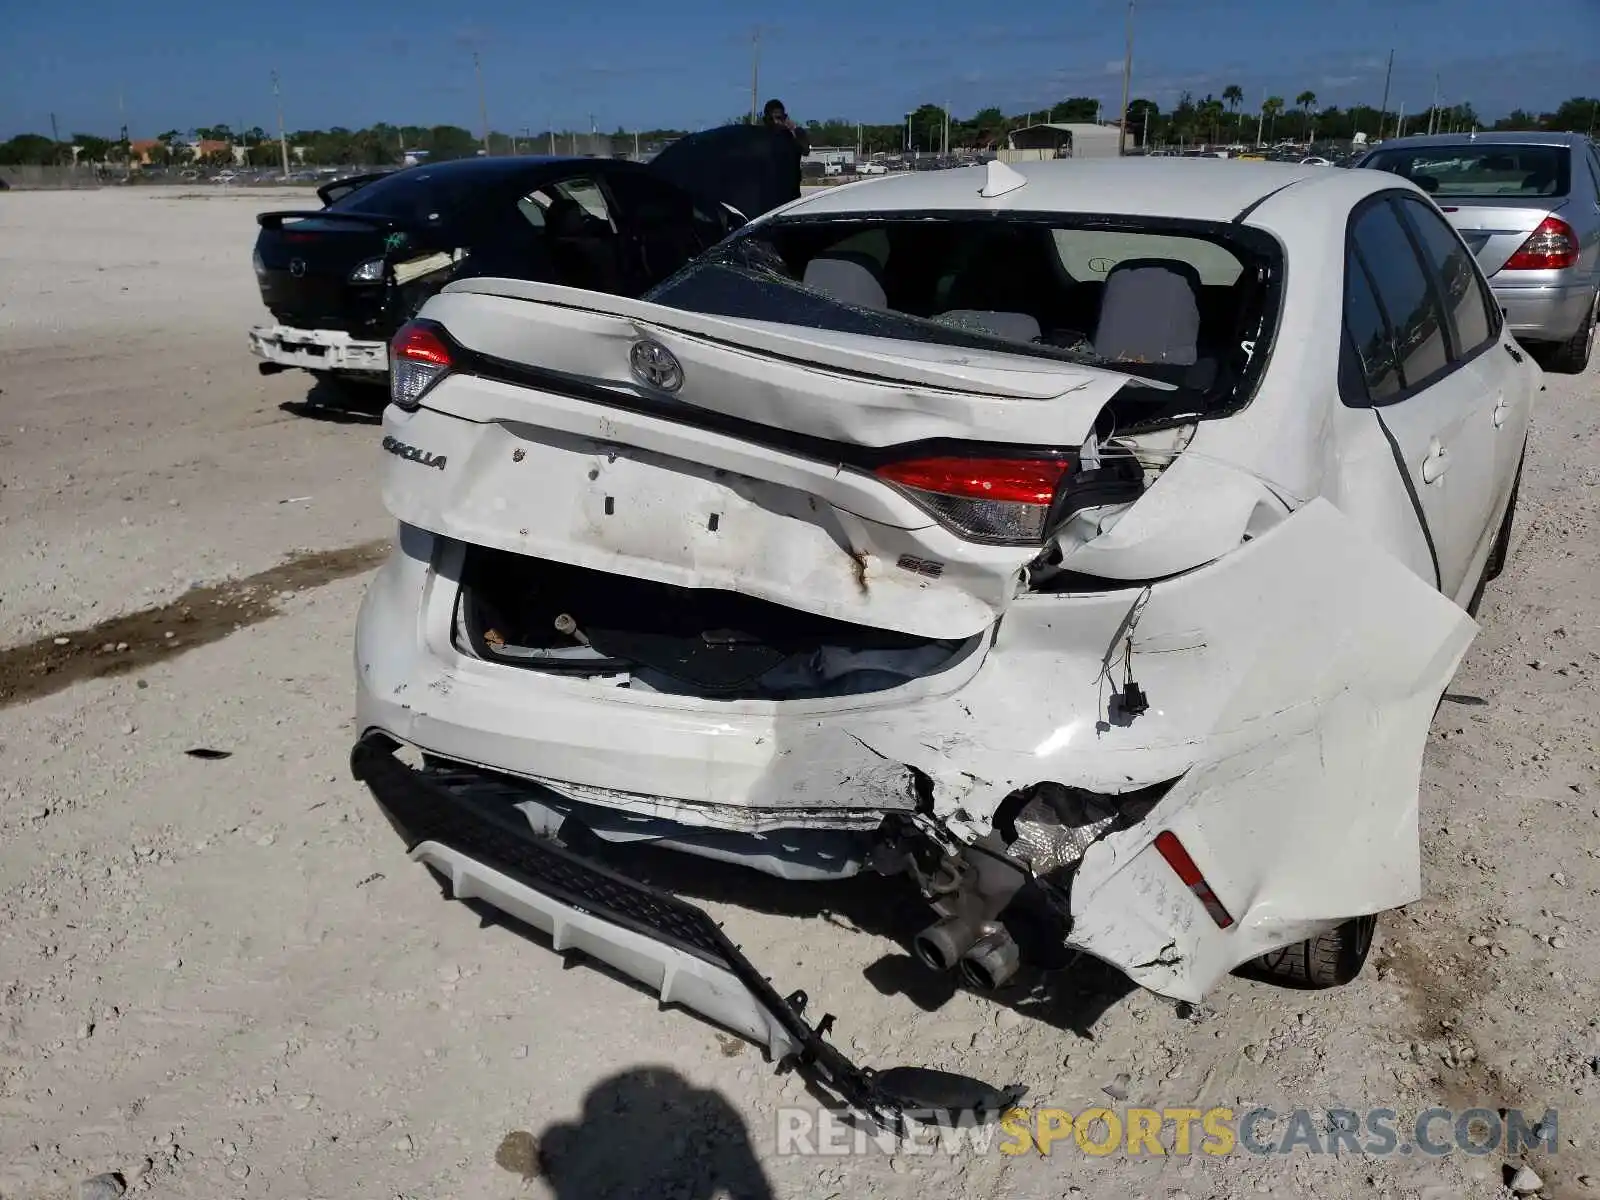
[1234,95]
[1305,100]
[1210,114]
[1272,107]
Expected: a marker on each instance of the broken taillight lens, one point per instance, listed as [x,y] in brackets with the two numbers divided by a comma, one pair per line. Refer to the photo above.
[1550,247]
[983,499]
[1171,849]
[418,358]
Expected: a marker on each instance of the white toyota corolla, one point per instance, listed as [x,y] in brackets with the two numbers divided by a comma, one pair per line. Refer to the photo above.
[1090,542]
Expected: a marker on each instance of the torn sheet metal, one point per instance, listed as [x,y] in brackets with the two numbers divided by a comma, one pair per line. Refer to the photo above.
[1291,683]
[639,496]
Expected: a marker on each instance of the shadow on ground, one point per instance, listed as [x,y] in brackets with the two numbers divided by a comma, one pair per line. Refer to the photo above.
[340,402]
[645,1132]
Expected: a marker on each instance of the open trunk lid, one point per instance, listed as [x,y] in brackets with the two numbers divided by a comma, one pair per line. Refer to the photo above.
[769,472]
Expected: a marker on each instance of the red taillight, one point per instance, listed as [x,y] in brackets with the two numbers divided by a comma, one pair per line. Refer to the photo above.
[418,359]
[1550,247]
[987,499]
[1183,866]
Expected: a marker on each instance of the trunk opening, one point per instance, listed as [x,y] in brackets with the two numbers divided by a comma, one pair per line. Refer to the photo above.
[554,618]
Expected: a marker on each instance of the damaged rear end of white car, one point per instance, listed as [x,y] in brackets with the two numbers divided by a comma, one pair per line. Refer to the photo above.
[821,559]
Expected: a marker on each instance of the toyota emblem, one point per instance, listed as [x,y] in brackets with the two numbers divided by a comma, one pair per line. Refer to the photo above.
[297,267]
[655,366]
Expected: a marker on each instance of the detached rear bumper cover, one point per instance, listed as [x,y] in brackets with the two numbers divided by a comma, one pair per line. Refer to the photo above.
[317,349]
[664,942]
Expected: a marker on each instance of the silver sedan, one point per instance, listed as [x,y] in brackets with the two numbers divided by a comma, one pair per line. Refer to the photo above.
[1528,204]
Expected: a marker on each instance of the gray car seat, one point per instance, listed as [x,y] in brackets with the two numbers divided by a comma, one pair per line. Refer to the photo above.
[1150,313]
[848,277]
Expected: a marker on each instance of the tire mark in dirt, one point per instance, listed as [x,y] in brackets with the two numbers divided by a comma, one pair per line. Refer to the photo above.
[1440,1001]
[200,616]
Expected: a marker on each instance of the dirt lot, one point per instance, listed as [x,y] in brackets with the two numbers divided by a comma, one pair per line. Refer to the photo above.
[220,977]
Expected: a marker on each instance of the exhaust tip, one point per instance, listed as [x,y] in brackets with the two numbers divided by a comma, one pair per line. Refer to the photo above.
[940,946]
[991,962]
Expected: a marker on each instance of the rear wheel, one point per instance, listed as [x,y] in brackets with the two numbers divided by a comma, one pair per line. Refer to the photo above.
[1328,960]
[1572,356]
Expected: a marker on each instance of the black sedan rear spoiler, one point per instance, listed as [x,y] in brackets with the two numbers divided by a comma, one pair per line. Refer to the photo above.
[275,220]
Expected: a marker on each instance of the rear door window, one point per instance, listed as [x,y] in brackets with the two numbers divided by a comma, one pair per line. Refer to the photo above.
[1465,298]
[1402,288]
[1370,338]
[578,230]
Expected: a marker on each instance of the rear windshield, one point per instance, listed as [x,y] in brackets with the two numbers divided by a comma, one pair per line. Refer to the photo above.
[421,195]
[1464,172]
[1181,305]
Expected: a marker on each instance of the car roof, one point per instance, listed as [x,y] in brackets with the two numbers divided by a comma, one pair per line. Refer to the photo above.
[1498,137]
[489,168]
[1198,190]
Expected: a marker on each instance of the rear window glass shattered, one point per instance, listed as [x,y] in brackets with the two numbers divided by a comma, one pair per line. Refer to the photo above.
[1180,305]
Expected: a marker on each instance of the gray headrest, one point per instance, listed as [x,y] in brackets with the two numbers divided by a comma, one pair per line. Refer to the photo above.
[1150,313]
[851,278]
[1013,326]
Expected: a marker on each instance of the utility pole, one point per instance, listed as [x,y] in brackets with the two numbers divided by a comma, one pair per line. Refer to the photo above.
[283,141]
[127,146]
[1127,78]
[1433,109]
[908,133]
[1400,127]
[1383,109]
[1261,117]
[483,103]
[755,76]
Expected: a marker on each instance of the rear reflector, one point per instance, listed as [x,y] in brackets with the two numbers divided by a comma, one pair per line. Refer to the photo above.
[1183,866]
[984,499]
[418,358]
[1550,247]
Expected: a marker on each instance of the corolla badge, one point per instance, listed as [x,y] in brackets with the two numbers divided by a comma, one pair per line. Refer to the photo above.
[655,366]
[297,267]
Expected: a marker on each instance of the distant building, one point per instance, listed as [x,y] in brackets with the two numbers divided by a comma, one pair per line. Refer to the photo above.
[1060,140]
[843,157]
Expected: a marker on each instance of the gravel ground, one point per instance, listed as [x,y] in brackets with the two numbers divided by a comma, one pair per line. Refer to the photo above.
[219,977]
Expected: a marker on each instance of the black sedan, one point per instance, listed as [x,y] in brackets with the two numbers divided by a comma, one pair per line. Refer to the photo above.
[339,280]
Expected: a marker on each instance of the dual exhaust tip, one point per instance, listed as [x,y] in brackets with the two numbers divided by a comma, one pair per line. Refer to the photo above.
[983,952]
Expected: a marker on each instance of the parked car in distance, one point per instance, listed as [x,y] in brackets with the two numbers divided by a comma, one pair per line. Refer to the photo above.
[338,281]
[1529,206]
[1086,543]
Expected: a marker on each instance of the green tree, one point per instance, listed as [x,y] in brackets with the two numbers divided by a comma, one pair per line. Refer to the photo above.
[1270,108]
[1304,101]
[92,149]
[1581,114]
[1233,94]
[1209,114]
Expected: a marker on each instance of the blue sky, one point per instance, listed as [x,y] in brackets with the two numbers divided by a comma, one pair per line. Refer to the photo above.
[643,63]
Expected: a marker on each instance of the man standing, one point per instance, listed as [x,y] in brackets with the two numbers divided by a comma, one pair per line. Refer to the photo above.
[776,118]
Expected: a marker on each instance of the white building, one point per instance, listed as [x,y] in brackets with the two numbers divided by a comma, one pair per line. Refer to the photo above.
[1060,140]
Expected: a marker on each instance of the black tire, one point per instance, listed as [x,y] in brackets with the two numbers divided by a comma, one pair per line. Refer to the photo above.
[1572,356]
[1501,550]
[1328,960]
